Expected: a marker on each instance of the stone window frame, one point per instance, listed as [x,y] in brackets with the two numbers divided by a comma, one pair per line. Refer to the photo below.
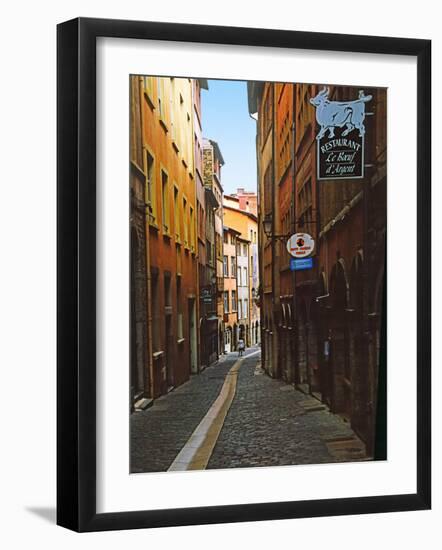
[165,202]
[151,202]
[177,213]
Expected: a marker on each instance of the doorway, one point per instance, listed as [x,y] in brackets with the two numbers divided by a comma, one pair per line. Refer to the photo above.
[193,342]
[168,350]
[136,322]
[228,340]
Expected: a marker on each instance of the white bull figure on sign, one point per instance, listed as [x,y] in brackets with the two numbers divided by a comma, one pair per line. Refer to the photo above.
[337,114]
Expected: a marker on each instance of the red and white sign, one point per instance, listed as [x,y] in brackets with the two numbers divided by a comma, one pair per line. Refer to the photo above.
[300,245]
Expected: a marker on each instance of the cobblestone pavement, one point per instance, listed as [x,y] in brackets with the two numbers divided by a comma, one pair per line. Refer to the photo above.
[269,423]
[159,433]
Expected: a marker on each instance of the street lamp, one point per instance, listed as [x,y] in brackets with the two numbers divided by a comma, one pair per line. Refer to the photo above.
[267,225]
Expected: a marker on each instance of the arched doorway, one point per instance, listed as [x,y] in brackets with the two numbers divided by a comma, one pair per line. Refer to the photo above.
[242,333]
[228,340]
[376,314]
[302,377]
[220,339]
[313,349]
[320,315]
[282,333]
[288,351]
[268,346]
[357,376]
[339,342]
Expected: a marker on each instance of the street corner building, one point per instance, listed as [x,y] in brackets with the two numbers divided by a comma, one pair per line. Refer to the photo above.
[322,326]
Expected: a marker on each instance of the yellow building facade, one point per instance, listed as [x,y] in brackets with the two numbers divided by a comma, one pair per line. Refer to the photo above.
[246,224]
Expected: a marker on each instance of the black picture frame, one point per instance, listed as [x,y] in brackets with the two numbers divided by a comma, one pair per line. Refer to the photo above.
[76,274]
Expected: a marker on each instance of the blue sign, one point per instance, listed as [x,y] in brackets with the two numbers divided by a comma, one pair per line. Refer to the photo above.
[299,264]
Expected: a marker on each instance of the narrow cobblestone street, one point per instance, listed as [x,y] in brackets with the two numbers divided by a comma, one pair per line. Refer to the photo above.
[268,423]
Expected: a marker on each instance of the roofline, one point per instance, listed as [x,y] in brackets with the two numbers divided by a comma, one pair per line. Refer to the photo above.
[249,214]
[215,146]
[254,91]
[227,228]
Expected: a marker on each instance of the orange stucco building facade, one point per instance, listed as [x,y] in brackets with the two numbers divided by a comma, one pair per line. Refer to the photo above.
[171,226]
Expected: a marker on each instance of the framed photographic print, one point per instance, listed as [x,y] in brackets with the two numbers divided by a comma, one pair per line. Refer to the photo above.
[243,274]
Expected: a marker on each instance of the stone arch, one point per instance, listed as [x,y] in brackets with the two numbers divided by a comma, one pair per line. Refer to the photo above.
[355,371]
[285,344]
[339,286]
[289,316]
[283,316]
[313,339]
[302,332]
[323,284]
[356,282]
[339,343]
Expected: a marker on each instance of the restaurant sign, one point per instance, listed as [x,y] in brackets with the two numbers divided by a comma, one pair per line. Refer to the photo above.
[300,245]
[339,156]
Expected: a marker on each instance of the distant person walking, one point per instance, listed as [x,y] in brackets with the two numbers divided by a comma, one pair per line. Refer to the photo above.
[241,347]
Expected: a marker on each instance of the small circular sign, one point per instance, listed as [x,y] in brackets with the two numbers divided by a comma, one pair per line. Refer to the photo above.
[300,245]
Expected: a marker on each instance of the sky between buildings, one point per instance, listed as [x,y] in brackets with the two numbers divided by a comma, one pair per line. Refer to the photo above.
[225,118]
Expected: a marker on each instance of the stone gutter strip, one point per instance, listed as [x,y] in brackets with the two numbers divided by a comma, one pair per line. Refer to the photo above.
[196,453]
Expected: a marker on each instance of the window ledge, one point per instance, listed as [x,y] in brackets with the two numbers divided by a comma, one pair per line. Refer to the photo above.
[157,354]
[137,168]
[180,340]
[149,99]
